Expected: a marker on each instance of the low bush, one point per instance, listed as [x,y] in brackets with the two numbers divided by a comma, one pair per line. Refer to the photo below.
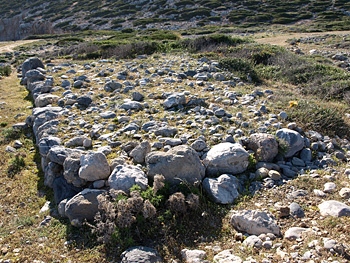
[5,70]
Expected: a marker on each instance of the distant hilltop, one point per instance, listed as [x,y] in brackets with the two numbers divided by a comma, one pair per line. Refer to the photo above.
[24,18]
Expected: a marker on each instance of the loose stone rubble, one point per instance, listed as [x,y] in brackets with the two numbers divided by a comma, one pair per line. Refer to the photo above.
[97,132]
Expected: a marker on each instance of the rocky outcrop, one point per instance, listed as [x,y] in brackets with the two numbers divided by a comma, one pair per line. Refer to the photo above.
[15,28]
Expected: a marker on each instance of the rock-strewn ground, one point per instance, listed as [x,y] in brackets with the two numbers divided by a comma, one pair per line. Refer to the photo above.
[107,124]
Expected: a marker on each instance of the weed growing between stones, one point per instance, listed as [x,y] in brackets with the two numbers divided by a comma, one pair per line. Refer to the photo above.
[156,213]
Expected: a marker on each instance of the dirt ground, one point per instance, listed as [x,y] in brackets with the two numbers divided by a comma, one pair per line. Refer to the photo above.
[9,46]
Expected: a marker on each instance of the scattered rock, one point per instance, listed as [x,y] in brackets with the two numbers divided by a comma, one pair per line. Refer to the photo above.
[140,254]
[253,241]
[294,233]
[254,222]
[227,256]
[334,208]
[192,256]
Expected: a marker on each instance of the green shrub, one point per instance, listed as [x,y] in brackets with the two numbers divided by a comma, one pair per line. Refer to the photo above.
[5,70]
[326,120]
[16,165]
[240,66]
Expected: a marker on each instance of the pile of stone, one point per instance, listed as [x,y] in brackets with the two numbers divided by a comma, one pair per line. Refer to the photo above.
[76,163]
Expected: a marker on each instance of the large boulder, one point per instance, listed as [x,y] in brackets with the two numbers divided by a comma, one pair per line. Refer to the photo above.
[180,163]
[140,255]
[254,222]
[292,141]
[264,145]
[230,158]
[221,190]
[123,177]
[83,206]
[94,166]
[31,63]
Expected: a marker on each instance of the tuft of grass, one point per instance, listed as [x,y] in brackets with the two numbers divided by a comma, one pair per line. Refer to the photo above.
[16,164]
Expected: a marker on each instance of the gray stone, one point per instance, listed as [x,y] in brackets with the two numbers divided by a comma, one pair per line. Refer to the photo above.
[274,175]
[45,99]
[166,131]
[58,154]
[123,177]
[264,146]
[94,166]
[132,105]
[174,100]
[75,141]
[227,256]
[306,155]
[71,167]
[221,190]
[345,193]
[33,75]
[293,140]
[253,241]
[31,63]
[294,233]
[329,187]
[194,255]
[296,210]
[112,86]
[52,170]
[137,96]
[262,173]
[63,190]
[47,143]
[65,83]
[140,151]
[298,162]
[140,255]
[84,101]
[226,157]
[199,145]
[254,222]
[108,115]
[78,84]
[334,208]
[172,141]
[180,163]
[61,207]
[83,206]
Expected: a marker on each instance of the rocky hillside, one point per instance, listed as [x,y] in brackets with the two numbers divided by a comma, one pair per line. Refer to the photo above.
[24,18]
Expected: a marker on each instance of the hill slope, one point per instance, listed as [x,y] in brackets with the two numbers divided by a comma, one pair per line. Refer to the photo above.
[23,18]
